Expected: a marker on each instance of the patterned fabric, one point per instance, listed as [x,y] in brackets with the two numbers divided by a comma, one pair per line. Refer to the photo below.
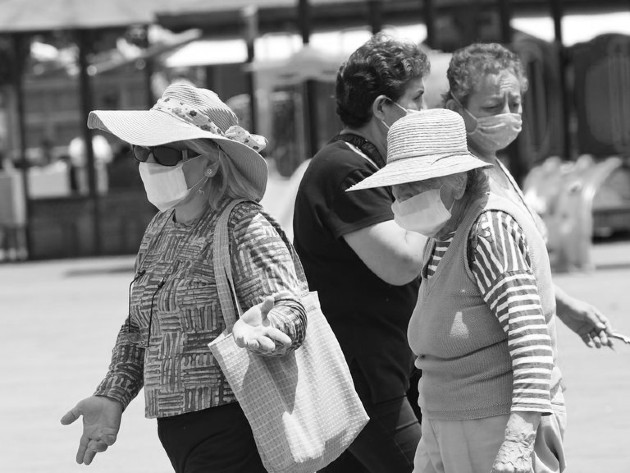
[175,311]
[499,259]
[198,117]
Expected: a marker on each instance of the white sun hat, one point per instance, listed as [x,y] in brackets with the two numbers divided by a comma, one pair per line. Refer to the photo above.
[185,112]
[423,145]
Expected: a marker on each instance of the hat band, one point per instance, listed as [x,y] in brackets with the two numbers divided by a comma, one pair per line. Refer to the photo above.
[199,119]
[439,153]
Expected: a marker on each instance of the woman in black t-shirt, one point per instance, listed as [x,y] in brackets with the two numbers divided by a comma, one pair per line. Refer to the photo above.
[363,265]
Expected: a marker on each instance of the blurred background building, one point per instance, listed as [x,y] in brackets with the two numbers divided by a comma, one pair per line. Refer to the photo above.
[61,58]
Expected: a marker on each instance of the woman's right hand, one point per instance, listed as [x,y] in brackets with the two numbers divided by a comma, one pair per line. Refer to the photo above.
[254,332]
[101,422]
[515,453]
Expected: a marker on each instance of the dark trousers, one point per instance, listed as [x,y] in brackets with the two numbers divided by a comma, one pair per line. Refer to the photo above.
[215,440]
[387,444]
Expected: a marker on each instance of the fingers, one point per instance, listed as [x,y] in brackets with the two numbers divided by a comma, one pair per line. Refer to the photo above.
[263,345]
[272,340]
[266,306]
[603,338]
[278,336]
[70,416]
[88,448]
[93,448]
[83,445]
[586,338]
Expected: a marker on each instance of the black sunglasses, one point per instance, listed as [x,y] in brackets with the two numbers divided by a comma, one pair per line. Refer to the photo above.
[162,154]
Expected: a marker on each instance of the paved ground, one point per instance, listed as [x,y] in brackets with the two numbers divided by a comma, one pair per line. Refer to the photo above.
[58,321]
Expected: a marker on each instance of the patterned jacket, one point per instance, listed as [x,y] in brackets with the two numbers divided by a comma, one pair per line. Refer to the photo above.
[175,312]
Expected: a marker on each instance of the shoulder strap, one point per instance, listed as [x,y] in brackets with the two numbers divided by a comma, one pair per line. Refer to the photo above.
[223,268]
[364,145]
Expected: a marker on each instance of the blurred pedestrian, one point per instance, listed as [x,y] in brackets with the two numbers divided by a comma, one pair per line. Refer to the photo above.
[487,83]
[484,329]
[194,161]
[365,267]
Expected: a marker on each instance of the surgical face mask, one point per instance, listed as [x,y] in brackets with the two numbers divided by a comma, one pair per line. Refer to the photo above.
[423,213]
[165,185]
[406,111]
[495,132]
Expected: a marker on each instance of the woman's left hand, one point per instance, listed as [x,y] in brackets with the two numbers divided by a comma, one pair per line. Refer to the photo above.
[254,331]
[587,321]
[513,457]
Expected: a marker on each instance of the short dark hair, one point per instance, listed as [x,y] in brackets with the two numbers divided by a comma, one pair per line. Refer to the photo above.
[381,66]
[471,63]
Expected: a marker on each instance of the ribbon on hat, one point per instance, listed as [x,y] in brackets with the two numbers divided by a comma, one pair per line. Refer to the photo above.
[201,120]
[240,134]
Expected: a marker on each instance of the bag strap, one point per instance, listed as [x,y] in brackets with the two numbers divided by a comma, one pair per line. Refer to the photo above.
[223,268]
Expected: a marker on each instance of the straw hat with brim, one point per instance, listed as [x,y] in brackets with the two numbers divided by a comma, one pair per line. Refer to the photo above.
[421,146]
[185,112]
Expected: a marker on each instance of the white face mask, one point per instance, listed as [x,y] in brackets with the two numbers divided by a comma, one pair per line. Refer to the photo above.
[423,213]
[408,111]
[165,185]
[495,132]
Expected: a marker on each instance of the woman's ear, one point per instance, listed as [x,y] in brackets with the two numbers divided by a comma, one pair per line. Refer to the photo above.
[452,105]
[460,190]
[377,106]
[212,169]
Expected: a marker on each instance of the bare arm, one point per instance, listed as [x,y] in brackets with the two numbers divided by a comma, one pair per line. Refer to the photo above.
[390,252]
[584,319]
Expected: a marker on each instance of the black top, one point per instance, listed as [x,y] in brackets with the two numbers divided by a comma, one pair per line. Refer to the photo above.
[368,315]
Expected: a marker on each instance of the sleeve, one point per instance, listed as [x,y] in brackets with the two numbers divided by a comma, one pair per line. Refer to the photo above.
[125,376]
[351,211]
[262,266]
[502,268]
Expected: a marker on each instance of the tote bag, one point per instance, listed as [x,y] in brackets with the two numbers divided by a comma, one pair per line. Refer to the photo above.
[302,407]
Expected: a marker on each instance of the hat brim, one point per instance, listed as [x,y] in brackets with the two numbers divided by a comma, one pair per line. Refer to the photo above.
[153,128]
[414,169]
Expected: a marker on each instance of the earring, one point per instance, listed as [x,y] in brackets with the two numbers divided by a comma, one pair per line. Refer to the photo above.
[211,170]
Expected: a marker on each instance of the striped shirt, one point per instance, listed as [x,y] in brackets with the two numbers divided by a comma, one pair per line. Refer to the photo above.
[499,259]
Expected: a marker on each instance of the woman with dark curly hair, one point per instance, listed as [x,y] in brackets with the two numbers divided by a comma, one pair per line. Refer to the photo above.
[364,266]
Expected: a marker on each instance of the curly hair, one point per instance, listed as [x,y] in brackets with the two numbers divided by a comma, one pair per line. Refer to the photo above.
[472,62]
[381,66]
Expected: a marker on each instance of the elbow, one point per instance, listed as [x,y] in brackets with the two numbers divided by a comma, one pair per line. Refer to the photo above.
[406,271]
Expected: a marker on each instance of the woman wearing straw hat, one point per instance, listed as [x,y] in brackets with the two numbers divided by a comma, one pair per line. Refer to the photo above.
[483,330]
[364,267]
[194,161]
[486,83]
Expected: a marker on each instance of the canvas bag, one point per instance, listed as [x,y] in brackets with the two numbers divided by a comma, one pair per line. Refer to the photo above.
[302,407]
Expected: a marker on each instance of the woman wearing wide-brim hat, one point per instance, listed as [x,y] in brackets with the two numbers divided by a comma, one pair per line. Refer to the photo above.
[483,330]
[194,161]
